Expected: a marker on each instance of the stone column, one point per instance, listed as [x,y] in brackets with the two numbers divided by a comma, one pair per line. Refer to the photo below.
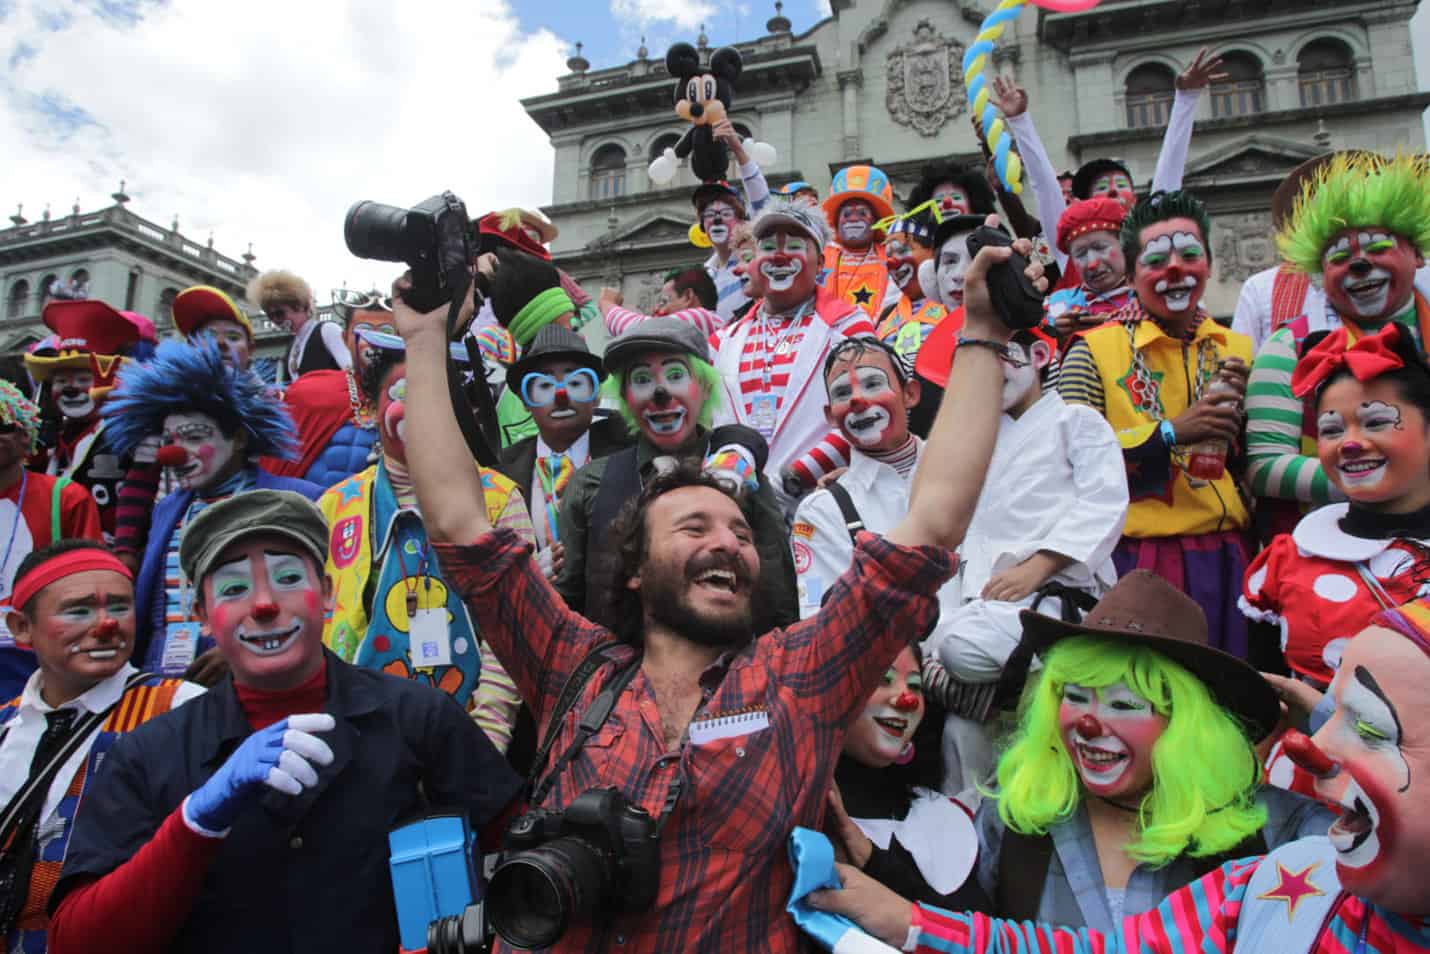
[849,83]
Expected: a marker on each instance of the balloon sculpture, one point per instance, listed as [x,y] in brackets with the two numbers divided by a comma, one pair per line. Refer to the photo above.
[995,133]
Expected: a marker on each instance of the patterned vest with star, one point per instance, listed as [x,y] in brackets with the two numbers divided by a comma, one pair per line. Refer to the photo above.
[369,625]
[861,283]
[137,706]
[1136,403]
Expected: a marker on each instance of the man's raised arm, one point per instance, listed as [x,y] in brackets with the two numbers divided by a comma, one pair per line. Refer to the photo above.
[449,488]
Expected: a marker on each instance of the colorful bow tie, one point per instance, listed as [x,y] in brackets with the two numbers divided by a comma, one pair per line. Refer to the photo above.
[1367,357]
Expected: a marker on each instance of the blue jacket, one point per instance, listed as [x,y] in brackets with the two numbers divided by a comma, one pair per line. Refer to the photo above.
[149,595]
[346,454]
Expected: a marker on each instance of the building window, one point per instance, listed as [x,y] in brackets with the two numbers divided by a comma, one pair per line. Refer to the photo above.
[166,306]
[1149,96]
[1243,92]
[79,283]
[131,292]
[743,131]
[608,172]
[19,295]
[1326,73]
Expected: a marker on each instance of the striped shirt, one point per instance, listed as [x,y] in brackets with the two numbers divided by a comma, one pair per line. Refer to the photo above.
[729,291]
[620,320]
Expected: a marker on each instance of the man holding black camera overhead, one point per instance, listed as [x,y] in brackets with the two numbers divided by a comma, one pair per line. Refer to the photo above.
[687,749]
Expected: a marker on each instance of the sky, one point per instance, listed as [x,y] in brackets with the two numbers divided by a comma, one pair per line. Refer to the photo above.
[262,122]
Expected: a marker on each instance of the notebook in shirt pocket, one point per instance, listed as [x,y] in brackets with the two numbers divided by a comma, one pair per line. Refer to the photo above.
[739,791]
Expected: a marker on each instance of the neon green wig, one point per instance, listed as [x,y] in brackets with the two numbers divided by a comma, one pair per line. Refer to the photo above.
[1358,190]
[706,376]
[1204,770]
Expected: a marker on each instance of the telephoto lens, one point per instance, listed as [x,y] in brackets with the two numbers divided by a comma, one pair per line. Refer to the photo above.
[374,230]
[460,934]
[536,894]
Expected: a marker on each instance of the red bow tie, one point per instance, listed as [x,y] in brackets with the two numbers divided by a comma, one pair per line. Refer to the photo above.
[1368,357]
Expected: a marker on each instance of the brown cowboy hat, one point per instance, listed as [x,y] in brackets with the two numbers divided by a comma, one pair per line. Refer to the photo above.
[1146,610]
[1284,199]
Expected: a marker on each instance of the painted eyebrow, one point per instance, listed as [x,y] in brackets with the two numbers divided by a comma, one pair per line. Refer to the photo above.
[1364,677]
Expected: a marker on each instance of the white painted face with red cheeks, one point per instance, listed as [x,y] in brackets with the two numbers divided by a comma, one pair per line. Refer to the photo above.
[952,199]
[855,223]
[1099,260]
[71,393]
[1114,185]
[664,397]
[787,265]
[1172,268]
[867,403]
[1373,444]
[1110,733]
[209,451]
[883,732]
[1369,274]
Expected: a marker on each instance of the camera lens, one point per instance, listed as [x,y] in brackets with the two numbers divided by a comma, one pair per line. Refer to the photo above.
[536,894]
[374,230]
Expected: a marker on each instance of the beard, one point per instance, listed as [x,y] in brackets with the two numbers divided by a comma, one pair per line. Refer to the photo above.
[665,598]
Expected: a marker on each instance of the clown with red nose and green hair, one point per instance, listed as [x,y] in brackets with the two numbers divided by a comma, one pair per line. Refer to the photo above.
[1362,226]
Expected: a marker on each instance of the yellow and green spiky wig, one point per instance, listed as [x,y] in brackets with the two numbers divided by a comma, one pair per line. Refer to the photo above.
[1358,190]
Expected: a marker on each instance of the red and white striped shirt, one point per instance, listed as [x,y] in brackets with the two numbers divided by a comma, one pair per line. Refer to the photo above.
[620,320]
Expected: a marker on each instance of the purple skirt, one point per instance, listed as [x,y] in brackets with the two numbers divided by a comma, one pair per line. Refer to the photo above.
[1207,567]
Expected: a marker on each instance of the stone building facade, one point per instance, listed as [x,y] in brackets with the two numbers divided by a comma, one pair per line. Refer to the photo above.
[119,257]
[881,81]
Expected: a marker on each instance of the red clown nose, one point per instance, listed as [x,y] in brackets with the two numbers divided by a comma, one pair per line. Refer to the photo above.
[1088,727]
[1308,756]
[906,701]
[107,627]
[172,455]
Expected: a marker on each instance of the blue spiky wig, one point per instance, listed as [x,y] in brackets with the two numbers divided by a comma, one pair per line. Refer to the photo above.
[186,377]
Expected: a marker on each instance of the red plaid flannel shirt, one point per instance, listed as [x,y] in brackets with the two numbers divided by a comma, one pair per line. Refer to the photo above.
[725,875]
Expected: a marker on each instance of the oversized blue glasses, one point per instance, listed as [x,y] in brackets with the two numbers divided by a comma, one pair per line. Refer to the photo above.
[539,390]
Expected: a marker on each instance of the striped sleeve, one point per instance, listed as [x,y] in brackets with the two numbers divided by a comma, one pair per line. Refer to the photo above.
[1200,917]
[757,190]
[620,320]
[1078,380]
[1275,463]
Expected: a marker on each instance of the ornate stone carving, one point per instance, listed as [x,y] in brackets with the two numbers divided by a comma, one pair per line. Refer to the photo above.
[925,81]
[1244,245]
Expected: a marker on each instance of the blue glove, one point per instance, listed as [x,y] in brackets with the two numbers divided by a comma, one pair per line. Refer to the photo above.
[281,757]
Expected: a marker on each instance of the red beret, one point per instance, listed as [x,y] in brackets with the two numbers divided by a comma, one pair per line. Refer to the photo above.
[1089,215]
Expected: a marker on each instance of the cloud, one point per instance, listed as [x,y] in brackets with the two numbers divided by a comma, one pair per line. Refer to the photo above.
[685,15]
[265,127]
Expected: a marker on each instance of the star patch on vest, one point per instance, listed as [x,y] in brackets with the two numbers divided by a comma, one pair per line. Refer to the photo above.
[1293,887]
[862,295]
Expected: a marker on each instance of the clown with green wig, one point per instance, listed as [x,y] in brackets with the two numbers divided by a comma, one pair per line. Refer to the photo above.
[667,391]
[1361,227]
[1132,773]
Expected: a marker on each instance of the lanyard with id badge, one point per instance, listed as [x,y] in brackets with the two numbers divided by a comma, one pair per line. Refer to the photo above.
[764,407]
[430,641]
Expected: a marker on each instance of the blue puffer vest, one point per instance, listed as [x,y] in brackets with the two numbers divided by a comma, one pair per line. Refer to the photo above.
[346,454]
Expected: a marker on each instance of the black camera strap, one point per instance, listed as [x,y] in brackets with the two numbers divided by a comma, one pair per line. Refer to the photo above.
[479,427]
[591,720]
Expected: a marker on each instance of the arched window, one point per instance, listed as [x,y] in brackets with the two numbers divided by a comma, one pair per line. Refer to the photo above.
[743,130]
[662,143]
[50,288]
[608,172]
[1326,72]
[1149,96]
[1243,92]
[19,295]
[165,314]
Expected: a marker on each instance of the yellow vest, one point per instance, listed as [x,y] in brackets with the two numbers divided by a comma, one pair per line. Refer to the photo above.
[348,508]
[1188,506]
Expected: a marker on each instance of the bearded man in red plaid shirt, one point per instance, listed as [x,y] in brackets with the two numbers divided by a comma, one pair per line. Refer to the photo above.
[728,740]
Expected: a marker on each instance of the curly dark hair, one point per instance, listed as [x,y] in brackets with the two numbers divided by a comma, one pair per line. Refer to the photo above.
[970,179]
[383,361]
[1160,207]
[620,609]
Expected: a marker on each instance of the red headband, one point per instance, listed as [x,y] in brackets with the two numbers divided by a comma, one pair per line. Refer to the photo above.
[1367,357]
[75,561]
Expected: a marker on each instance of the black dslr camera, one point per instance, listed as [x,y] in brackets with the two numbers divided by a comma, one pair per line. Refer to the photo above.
[434,239]
[600,854]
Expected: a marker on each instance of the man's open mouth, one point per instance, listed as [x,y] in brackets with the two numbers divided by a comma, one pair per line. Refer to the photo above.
[1353,835]
[271,643]
[868,427]
[718,233]
[781,277]
[665,422]
[1179,296]
[893,726]
[724,580]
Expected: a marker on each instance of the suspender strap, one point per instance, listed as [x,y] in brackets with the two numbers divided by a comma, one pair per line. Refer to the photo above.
[1022,871]
[56,533]
[590,723]
[852,521]
[39,785]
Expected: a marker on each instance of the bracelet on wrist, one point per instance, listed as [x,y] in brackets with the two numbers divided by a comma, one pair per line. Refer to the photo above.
[997,347]
[1168,432]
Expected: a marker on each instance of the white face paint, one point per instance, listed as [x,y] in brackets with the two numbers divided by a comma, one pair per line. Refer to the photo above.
[864,423]
[71,392]
[780,274]
[1019,375]
[1176,293]
[1368,293]
[1360,466]
[716,219]
[855,222]
[1110,733]
[234,582]
[951,199]
[950,265]
[1365,722]
[209,451]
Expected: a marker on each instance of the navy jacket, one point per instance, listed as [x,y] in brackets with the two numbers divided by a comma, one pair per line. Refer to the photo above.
[305,874]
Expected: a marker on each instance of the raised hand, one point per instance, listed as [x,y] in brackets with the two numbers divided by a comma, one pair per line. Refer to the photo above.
[1205,70]
[1010,98]
[280,757]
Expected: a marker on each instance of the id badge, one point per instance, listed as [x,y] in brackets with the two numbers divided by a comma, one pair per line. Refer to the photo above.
[431,642]
[181,643]
[762,414]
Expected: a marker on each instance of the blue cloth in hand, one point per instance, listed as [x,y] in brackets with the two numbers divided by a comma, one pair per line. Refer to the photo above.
[812,857]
